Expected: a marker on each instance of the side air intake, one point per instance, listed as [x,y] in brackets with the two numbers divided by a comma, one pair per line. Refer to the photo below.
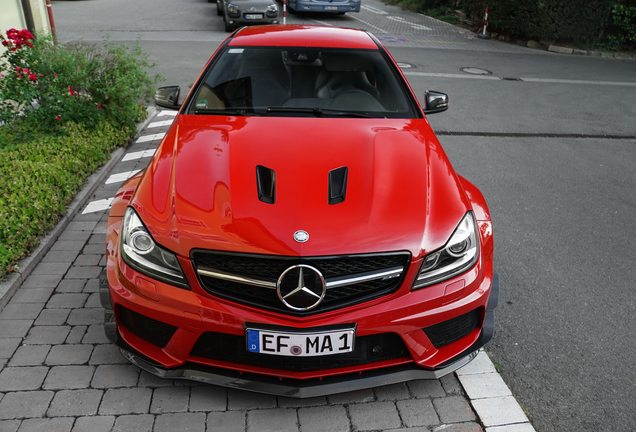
[338,185]
[266,184]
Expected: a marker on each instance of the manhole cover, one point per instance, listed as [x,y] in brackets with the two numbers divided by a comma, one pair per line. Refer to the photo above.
[475,71]
[404,65]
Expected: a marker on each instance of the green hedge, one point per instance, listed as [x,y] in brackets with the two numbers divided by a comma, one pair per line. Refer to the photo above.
[41,173]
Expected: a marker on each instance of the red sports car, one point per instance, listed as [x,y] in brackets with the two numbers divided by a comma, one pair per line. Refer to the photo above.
[300,230]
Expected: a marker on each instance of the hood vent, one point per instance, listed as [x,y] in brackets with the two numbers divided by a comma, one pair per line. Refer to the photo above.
[338,185]
[266,184]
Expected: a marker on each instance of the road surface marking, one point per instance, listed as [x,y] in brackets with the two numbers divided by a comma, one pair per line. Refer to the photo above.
[369,24]
[146,138]
[98,205]
[579,82]
[167,113]
[449,75]
[138,155]
[159,124]
[412,25]
[120,177]
[374,10]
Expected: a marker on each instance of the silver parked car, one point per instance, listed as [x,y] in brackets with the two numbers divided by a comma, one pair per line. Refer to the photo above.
[238,13]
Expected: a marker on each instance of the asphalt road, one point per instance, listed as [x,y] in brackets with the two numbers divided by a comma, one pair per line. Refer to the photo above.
[563,206]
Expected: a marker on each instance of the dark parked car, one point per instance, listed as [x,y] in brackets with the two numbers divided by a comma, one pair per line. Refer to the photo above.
[238,13]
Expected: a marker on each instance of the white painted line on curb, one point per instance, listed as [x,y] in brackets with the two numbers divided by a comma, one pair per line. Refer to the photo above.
[579,82]
[381,30]
[159,124]
[98,205]
[138,155]
[166,113]
[120,177]
[374,10]
[146,138]
[449,75]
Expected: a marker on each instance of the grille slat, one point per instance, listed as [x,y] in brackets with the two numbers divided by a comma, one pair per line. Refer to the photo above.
[450,331]
[269,268]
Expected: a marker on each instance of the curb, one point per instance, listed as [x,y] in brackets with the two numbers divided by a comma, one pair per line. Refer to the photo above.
[10,285]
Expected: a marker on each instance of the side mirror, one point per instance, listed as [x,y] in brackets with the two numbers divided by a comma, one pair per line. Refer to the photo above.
[435,102]
[168,97]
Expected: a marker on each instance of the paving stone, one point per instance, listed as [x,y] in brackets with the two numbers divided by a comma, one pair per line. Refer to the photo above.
[107,354]
[51,268]
[43,335]
[239,399]
[24,404]
[83,272]
[453,409]
[8,346]
[86,316]
[226,421]
[184,422]
[74,235]
[9,425]
[460,427]
[61,256]
[480,364]
[149,380]
[107,376]
[170,400]
[495,411]
[286,402]
[92,286]
[94,424]
[451,385]
[93,301]
[21,311]
[134,423]
[95,335]
[47,425]
[68,377]
[22,378]
[324,419]
[52,317]
[359,396]
[69,354]
[94,248]
[67,245]
[272,420]
[71,286]
[67,301]
[15,328]
[374,416]
[392,392]
[41,281]
[126,401]
[208,398]
[417,412]
[30,355]
[519,427]
[484,385]
[76,334]
[81,226]
[426,388]
[75,403]
[33,295]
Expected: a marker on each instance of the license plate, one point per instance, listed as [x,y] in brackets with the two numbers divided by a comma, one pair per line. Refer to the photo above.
[300,344]
[253,16]
[331,7]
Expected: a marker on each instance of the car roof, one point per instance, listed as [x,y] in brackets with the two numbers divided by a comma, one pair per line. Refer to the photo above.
[303,35]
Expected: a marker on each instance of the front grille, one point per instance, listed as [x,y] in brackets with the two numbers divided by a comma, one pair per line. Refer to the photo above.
[450,331]
[153,331]
[232,348]
[269,268]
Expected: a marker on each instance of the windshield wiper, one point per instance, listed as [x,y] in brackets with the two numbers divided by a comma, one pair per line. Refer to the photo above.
[318,112]
[224,111]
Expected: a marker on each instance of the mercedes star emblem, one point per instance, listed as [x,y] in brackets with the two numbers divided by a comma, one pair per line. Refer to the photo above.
[301,287]
[301,236]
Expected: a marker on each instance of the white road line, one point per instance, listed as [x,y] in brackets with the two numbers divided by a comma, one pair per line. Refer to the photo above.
[146,138]
[120,177]
[322,22]
[368,23]
[98,205]
[490,396]
[138,155]
[159,124]
[449,75]
[374,10]
[584,82]
[412,25]
[167,113]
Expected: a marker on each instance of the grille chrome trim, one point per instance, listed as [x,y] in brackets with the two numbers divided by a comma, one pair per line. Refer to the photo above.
[393,272]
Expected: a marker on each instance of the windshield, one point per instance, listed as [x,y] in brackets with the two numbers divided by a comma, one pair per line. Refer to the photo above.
[279,81]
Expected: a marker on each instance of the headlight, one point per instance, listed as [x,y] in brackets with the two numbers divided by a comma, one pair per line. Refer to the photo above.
[232,9]
[140,252]
[272,8]
[458,255]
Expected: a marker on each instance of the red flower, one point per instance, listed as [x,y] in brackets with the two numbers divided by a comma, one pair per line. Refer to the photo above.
[5,43]
[71,92]
[33,77]
[58,117]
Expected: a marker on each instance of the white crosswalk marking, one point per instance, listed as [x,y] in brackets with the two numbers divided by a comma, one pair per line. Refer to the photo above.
[146,138]
[374,10]
[138,155]
[167,113]
[98,205]
[412,25]
[120,177]
[159,124]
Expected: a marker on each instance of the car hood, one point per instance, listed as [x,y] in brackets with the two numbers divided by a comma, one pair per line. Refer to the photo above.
[200,190]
